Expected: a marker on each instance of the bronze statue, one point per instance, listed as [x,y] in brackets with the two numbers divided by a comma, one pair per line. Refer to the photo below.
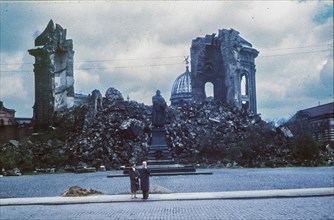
[159,110]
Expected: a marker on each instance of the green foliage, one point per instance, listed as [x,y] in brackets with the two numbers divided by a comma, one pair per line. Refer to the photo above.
[28,155]
[16,156]
[305,147]
[256,143]
[8,158]
[49,157]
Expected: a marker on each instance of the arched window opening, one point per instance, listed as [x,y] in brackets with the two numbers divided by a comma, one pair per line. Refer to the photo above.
[243,86]
[209,89]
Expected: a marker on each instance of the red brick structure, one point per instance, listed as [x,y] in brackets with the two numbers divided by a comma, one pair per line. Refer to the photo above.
[7,116]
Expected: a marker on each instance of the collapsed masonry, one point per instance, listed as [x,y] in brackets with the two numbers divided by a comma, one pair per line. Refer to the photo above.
[208,133]
[54,77]
[228,62]
[202,133]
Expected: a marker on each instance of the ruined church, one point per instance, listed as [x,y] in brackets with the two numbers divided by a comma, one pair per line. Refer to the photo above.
[228,62]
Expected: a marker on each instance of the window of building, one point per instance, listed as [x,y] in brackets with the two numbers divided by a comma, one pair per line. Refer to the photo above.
[244,85]
[209,89]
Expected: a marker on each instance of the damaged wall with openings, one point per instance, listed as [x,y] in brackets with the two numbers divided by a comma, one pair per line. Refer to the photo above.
[228,62]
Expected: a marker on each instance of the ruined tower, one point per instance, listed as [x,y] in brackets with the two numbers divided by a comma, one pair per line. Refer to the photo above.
[53,69]
[226,61]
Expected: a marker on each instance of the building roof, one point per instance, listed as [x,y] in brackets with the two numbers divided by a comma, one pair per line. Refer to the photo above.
[23,120]
[318,111]
[182,87]
[3,108]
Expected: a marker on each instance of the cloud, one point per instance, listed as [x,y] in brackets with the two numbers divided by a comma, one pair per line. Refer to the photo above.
[87,81]
[13,87]
[12,82]
[326,74]
[320,86]
[324,12]
[288,73]
[16,89]
[11,62]
[141,67]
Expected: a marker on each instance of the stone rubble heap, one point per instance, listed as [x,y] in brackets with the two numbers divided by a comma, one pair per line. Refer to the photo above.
[118,132]
[75,191]
[209,133]
[202,133]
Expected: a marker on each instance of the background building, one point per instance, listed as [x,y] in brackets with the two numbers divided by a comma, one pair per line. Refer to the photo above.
[318,121]
[12,128]
[181,89]
[7,116]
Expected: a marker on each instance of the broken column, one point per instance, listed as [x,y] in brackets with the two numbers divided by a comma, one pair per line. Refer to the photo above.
[53,68]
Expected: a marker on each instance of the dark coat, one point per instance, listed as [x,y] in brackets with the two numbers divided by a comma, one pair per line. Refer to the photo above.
[145,178]
[134,181]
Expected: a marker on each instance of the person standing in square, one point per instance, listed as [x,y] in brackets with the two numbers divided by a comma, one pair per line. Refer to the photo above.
[134,180]
[145,179]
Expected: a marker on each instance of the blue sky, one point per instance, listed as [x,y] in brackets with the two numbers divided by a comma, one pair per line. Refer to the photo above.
[138,47]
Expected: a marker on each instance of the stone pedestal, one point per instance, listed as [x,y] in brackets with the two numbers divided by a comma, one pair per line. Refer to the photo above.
[158,149]
[159,159]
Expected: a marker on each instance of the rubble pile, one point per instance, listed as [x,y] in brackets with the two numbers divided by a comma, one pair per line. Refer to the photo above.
[75,191]
[209,133]
[118,132]
[212,131]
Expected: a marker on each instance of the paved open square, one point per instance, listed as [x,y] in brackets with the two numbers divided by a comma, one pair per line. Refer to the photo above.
[222,180]
[290,208]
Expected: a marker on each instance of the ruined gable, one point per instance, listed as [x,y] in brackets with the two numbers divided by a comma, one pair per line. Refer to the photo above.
[226,61]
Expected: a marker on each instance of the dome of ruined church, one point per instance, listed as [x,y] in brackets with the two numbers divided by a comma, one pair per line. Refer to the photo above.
[181,90]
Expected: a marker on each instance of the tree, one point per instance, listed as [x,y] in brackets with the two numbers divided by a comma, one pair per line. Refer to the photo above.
[305,147]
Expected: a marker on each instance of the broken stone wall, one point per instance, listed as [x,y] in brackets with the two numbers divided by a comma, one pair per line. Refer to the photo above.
[224,61]
[53,68]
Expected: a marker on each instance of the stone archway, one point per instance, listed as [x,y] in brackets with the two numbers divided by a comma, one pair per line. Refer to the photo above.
[244,91]
[226,61]
[209,89]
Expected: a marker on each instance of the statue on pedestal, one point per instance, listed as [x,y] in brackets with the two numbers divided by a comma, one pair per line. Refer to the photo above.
[159,110]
